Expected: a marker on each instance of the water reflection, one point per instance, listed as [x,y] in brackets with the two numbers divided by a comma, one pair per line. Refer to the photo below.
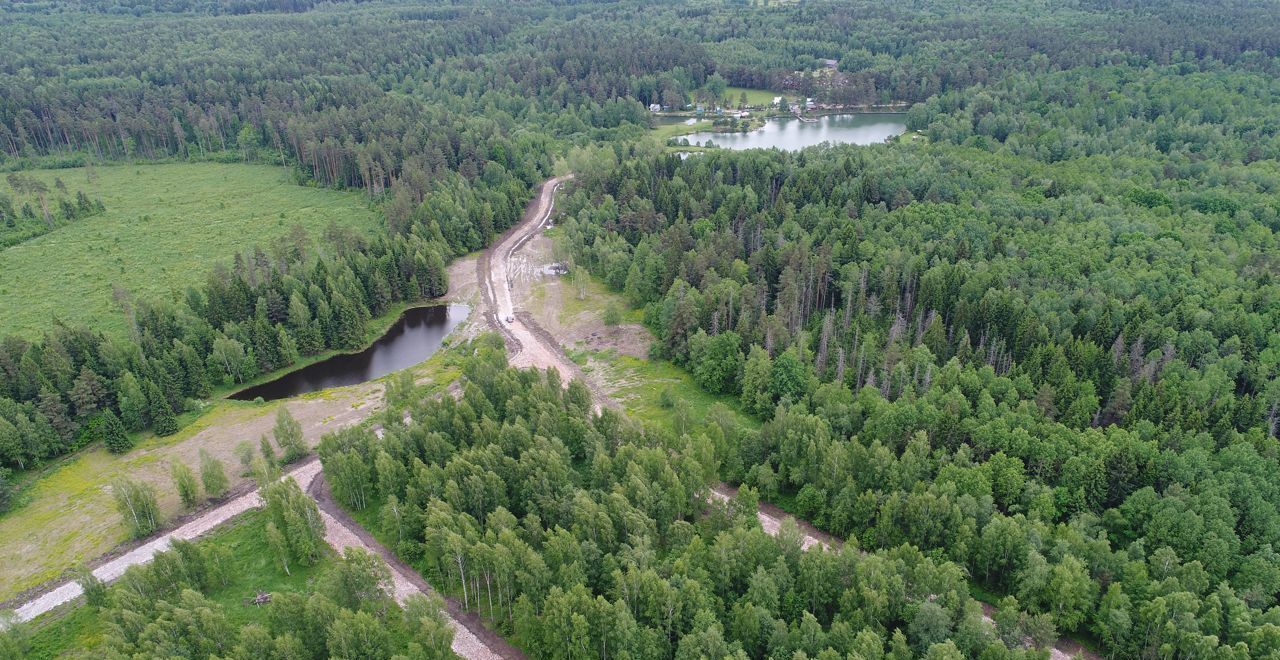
[791,134]
[417,334]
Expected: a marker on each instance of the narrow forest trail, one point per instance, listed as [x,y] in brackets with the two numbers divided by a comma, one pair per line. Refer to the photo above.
[471,639]
[530,345]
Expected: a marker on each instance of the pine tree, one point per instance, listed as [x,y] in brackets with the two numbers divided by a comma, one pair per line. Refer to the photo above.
[349,327]
[163,421]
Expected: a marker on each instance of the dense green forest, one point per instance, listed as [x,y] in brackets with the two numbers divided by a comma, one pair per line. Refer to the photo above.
[1044,345]
[1036,348]
[589,536]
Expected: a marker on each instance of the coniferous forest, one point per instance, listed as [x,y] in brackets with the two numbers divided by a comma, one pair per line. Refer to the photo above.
[1028,352]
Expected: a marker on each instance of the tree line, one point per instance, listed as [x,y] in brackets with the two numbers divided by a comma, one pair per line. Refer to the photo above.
[18,224]
[265,312]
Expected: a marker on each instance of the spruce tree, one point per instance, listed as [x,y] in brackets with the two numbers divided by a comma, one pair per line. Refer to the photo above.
[114,435]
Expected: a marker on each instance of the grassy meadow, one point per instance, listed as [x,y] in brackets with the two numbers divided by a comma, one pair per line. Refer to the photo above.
[164,228]
[760,98]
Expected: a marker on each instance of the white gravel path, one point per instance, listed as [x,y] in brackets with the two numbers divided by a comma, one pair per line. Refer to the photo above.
[465,643]
[142,554]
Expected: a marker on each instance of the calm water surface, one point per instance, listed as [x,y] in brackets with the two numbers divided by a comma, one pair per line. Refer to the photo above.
[417,334]
[791,134]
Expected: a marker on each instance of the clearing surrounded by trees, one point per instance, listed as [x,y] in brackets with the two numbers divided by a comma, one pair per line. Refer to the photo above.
[164,228]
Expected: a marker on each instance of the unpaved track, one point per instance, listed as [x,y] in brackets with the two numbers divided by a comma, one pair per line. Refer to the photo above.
[531,345]
[471,639]
[142,554]
[528,344]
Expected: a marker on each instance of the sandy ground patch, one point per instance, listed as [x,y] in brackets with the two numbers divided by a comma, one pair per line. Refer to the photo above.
[570,312]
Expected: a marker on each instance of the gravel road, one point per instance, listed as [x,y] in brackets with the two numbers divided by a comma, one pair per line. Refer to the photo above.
[529,346]
[142,554]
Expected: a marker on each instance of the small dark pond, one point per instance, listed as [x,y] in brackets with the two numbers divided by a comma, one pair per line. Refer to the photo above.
[413,338]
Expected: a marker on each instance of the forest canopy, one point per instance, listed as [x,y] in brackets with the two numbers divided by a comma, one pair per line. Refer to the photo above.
[1030,349]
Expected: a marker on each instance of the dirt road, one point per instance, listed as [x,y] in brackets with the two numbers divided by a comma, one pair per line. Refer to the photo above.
[471,639]
[528,344]
[531,345]
[495,285]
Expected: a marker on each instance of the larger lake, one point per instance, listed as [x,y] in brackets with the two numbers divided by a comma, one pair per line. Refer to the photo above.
[792,134]
[417,334]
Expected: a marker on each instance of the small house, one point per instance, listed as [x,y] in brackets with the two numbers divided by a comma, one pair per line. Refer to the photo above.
[655,107]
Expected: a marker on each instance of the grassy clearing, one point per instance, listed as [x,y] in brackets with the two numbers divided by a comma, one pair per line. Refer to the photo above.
[760,98]
[664,132]
[68,515]
[78,632]
[587,295]
[164,228]
[640,385]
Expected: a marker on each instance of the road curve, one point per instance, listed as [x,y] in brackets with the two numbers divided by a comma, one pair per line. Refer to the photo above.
[531,345]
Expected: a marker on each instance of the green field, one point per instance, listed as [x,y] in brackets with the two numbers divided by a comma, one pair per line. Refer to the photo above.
[664,132]
[76,633]
[760,98]
[164,228]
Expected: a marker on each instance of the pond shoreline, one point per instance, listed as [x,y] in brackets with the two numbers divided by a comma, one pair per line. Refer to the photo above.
[792,132]
[396,347]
